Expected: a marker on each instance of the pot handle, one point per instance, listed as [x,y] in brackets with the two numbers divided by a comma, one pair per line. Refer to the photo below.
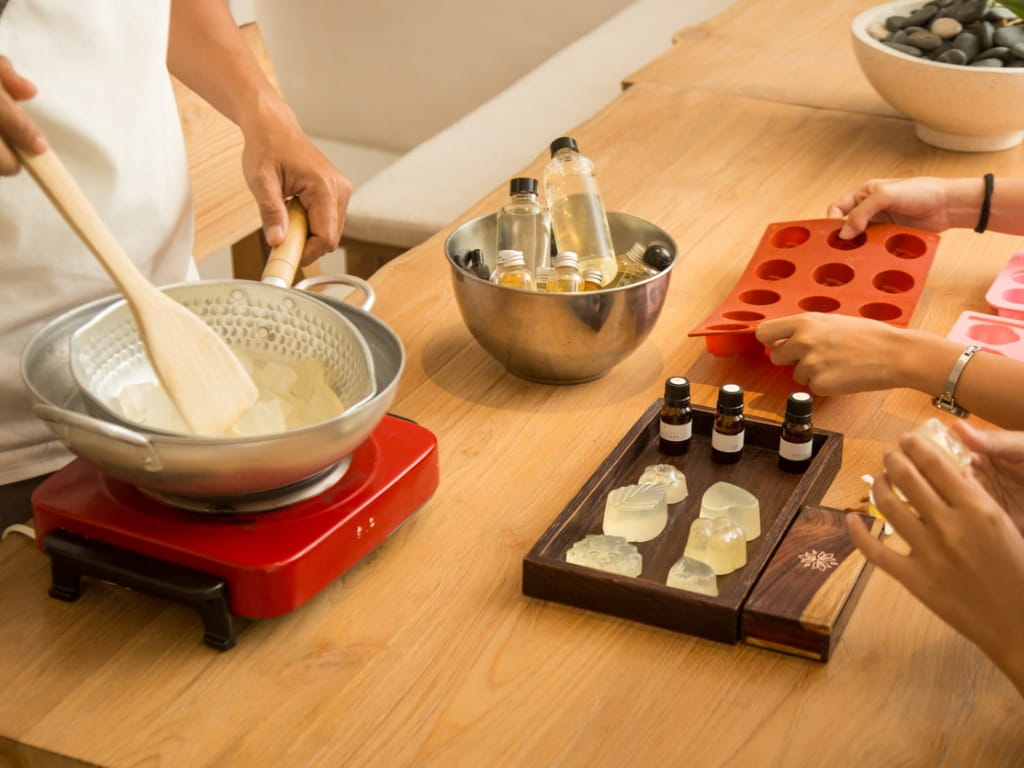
[67,424]
[369,295]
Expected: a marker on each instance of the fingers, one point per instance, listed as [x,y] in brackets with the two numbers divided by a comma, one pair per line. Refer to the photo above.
[326,203]
[874,550]
[996,444]
[899,513]
[17,129]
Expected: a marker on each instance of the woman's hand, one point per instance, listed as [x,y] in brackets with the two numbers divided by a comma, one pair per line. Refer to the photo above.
[834,354]
[966,560]
[999,466]
[16,127]
[280,161]
[921,202]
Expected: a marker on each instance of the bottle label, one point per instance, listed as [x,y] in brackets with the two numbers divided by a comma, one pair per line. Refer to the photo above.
[727,443]
[676,433]
[795,451]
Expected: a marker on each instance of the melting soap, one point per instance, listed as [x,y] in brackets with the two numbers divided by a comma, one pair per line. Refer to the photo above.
[606,553]
[718,542]
[727,500]
[669,476]
[693,576]
[636,512]
[290,396]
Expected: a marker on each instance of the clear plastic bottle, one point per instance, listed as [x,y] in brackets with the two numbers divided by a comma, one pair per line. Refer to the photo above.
[632,267]
[591,279]
[525,225]
[578,219]
[512,272]
[566,277]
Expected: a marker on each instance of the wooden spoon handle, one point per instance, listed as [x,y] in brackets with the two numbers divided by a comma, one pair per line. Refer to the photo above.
[67,197]
[283,260]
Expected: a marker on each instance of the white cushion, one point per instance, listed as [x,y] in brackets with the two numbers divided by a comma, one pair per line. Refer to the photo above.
[435,182]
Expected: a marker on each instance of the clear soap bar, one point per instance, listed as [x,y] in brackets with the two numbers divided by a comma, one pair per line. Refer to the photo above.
[693,576]
[718,542]
[670,477]
[947,439]
[606,553]
[727,500]
[636,512]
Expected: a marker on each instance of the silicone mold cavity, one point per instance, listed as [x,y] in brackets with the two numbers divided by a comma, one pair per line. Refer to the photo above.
[803,266]
[1006,296]
[993,333]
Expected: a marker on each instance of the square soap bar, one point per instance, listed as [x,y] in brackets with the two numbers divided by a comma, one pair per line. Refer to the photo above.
[807,592]
[803,266]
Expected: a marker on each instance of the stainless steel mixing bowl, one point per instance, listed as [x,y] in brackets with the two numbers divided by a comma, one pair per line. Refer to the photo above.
[559,338]
[213,468]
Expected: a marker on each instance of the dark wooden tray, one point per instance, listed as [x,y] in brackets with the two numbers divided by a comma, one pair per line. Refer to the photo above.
[647,598]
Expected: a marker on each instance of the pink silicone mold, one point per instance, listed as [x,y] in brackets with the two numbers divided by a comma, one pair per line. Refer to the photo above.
[1006,294]
[993,333]
[803,266]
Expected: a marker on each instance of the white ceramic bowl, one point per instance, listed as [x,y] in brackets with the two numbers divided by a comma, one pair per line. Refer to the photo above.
[968,109]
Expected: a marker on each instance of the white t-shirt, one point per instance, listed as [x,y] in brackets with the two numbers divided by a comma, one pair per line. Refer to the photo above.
[107,108]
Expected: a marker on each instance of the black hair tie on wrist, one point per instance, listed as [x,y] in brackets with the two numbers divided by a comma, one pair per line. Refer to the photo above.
[986,204]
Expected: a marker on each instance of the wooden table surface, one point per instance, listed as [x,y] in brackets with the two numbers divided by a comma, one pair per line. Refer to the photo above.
[427,653]
[786,50]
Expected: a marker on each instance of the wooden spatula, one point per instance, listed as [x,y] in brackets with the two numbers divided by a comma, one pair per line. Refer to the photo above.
[198,370]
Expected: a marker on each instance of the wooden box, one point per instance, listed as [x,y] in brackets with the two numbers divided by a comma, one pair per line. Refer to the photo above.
[647,598]
[809,588]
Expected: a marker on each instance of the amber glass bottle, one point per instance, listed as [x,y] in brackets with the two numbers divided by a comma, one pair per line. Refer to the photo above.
[676,423]
[727,436]
[796,443]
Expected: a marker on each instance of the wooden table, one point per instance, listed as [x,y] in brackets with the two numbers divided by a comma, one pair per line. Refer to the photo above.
[786,50]
[428,653]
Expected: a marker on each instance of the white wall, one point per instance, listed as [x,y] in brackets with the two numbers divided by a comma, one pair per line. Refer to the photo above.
[391,73]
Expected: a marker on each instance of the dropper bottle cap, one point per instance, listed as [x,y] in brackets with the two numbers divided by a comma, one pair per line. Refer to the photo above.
[523,185]
[677,389]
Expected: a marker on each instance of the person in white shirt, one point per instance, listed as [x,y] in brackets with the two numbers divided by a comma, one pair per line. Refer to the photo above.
[90,78]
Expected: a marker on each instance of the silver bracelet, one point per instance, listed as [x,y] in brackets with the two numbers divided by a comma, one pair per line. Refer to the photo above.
[947,400]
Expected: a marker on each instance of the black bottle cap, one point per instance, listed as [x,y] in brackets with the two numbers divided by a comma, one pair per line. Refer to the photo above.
[798,405]
[677,388]
[562,142]
[730,396]
[657,256]
[522,184]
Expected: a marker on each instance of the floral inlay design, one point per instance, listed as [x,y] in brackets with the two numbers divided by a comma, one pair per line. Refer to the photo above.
[819,561]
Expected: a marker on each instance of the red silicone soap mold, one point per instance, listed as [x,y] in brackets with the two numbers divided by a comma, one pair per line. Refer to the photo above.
[803,266]
[993,333]
[1006,294]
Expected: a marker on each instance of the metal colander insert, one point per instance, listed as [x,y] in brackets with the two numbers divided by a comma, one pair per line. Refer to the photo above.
[262,320]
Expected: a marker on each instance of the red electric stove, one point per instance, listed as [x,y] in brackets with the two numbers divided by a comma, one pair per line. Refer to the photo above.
[227,562]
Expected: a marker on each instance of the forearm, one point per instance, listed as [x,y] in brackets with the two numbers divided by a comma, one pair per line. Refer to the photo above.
[964,198]
[989,386]
[207,52]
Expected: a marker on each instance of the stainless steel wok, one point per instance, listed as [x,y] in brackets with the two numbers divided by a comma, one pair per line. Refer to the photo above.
[212,469]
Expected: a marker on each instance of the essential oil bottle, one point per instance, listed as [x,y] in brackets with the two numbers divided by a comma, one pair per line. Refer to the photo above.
[727,436]
[676,424]
[512,271]
[591,279]
[796,443]
[566,277]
